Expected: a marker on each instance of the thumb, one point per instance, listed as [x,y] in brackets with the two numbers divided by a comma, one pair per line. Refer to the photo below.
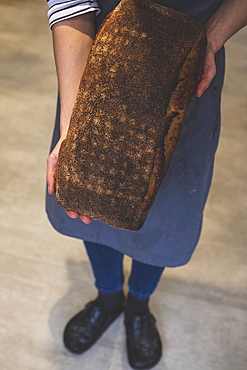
[50,174]
[208,74]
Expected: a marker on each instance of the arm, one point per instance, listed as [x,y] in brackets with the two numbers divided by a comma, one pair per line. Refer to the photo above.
[72,40]
[228,19]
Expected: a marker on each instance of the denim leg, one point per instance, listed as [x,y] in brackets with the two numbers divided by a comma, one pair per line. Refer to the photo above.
[107,265]
[144,279]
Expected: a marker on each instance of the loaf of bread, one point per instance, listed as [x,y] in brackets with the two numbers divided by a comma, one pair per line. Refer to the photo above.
[141,74]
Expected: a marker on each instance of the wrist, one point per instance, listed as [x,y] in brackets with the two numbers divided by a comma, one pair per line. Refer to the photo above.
[64,126]
[214,38]
[65,115]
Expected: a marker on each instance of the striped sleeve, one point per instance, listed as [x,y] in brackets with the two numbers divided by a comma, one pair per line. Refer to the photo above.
[64,9]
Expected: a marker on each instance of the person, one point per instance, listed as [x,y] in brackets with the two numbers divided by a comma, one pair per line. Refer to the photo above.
[172,229]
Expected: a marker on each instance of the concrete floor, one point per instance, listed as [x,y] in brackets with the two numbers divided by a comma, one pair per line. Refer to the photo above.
[45,277]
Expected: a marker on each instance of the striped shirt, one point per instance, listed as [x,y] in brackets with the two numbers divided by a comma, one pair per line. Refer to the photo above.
[64,9]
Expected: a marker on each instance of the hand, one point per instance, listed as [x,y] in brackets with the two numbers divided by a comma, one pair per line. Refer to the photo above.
[50,177]
[209,72]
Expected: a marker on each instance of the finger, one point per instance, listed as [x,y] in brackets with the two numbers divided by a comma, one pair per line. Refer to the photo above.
[203,85]
[72,214]
[50,174]
[85,219]
[209,73]
[206,79]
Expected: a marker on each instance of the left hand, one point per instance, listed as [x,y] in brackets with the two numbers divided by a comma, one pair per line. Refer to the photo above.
[228,19]
[209,72]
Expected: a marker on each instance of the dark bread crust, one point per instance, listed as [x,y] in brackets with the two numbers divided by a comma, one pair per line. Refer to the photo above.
[129,111]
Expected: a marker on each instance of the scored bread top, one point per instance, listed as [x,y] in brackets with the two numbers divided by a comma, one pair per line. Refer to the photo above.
[141,74]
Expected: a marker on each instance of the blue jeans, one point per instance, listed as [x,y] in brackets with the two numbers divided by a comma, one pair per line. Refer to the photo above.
[107,265]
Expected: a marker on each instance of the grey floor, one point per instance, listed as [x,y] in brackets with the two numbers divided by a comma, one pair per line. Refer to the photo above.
[45,277]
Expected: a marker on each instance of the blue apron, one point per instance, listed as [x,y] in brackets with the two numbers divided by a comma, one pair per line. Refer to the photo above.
[172,229]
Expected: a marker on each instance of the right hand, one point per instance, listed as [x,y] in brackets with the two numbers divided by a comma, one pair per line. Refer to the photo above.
[50,177]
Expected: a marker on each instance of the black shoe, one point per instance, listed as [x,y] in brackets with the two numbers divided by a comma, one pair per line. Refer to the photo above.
[85,328]
[144,346]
